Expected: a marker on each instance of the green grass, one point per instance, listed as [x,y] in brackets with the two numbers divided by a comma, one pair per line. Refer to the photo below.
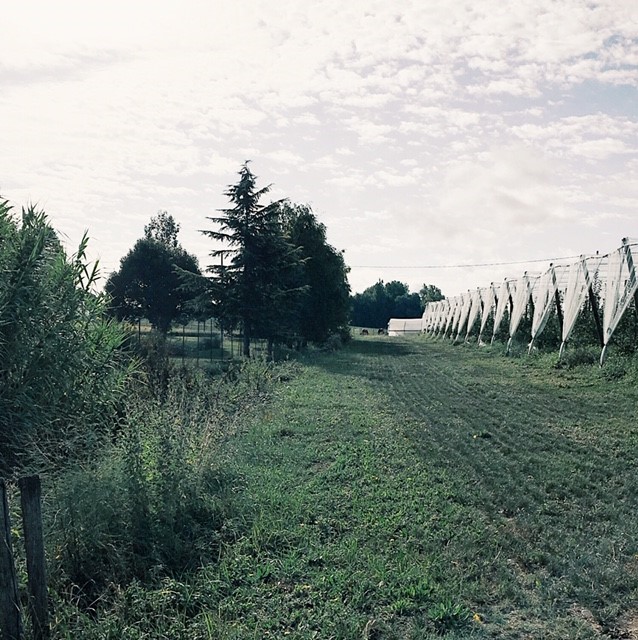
[404,488]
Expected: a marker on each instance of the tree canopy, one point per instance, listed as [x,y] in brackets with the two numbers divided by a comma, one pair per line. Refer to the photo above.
[325,302]
[163,229]
[430,293]
[149,283]
[257,283]
[380,302]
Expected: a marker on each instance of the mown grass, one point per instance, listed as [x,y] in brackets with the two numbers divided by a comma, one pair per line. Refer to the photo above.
[404,488]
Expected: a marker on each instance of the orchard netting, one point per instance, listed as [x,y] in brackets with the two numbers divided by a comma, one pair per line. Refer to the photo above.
[603,286]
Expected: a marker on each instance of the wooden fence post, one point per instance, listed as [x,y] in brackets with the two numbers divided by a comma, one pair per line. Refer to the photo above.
[10,620]
[30,499]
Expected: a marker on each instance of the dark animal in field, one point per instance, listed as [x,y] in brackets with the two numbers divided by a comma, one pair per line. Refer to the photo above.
[363,332]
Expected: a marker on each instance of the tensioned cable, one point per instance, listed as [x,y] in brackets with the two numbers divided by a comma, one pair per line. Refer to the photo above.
[459,266]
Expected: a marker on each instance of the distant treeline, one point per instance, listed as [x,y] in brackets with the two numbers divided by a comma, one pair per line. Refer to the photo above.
[380,302]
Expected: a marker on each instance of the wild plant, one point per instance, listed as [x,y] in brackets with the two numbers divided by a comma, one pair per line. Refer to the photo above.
[63,374]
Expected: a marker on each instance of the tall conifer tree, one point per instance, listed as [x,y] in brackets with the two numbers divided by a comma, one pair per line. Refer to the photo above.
[256,282]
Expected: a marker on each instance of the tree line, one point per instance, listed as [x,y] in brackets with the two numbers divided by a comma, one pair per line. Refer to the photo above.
[382,301]
[274,275]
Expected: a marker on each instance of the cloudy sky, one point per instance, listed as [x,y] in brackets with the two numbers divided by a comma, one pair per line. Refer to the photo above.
[423,133]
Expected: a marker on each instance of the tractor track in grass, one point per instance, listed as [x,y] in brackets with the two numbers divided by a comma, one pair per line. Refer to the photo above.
[547,460]
[523,429]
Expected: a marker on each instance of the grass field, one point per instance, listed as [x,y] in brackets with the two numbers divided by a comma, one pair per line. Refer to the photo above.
[404,488]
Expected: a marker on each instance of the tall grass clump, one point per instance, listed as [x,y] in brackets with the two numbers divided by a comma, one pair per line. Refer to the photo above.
[151,504]
[63,373]
[155,504]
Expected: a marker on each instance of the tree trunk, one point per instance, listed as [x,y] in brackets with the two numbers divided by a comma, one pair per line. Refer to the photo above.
[246,342]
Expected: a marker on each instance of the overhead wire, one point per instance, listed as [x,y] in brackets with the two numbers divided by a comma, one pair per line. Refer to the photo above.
[460,266]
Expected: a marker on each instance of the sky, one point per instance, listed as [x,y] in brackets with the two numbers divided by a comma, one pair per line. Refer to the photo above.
[435,139]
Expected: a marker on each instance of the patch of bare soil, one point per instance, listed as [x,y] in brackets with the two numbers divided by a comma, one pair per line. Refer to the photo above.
[627,627]
[587,616]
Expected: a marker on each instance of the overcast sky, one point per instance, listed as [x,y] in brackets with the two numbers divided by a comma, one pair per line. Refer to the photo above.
[421,132]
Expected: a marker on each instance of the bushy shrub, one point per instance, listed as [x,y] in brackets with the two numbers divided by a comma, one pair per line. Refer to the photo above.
[580,355]
[333,342]
[345,334]
[63,372]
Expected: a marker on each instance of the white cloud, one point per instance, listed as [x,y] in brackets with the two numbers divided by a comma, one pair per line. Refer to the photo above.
[369,132]
[600,149]
[511,189]
[465,115]
[307,118]
[383,178]
[284,156]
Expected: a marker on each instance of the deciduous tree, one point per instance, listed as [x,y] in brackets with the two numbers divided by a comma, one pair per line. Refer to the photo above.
[148,283]
[325,303]
[430,293]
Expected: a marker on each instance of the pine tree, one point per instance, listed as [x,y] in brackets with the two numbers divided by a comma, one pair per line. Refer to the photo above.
[256,282]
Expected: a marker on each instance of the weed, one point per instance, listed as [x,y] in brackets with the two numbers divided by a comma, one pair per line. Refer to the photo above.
[448,616]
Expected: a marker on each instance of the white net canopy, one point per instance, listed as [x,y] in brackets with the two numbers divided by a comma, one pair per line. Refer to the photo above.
[576,291]
[441,315]
[620,287]
[466,303]
[475,308]
[456,314]
[544,297]
[524,288]
[506,290]
[488,298]
[449,315]
[591,283]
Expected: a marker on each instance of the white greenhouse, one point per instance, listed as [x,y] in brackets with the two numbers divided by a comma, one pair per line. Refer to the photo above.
[405,326]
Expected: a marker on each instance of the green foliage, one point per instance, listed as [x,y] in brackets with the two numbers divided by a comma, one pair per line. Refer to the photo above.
[404,489]
[148,286]
[154,503]
[325,302]
[625,337]
[149,283]
[163,229]
[448,615]
[333,342]
[380,302]
[257,283]
[430,293]
[580,355]
[63,373]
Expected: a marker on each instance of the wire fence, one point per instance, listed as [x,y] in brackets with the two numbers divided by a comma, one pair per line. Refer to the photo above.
[201,342]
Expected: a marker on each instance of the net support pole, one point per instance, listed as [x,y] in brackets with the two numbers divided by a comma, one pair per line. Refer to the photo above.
[632,272]
[596,313]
